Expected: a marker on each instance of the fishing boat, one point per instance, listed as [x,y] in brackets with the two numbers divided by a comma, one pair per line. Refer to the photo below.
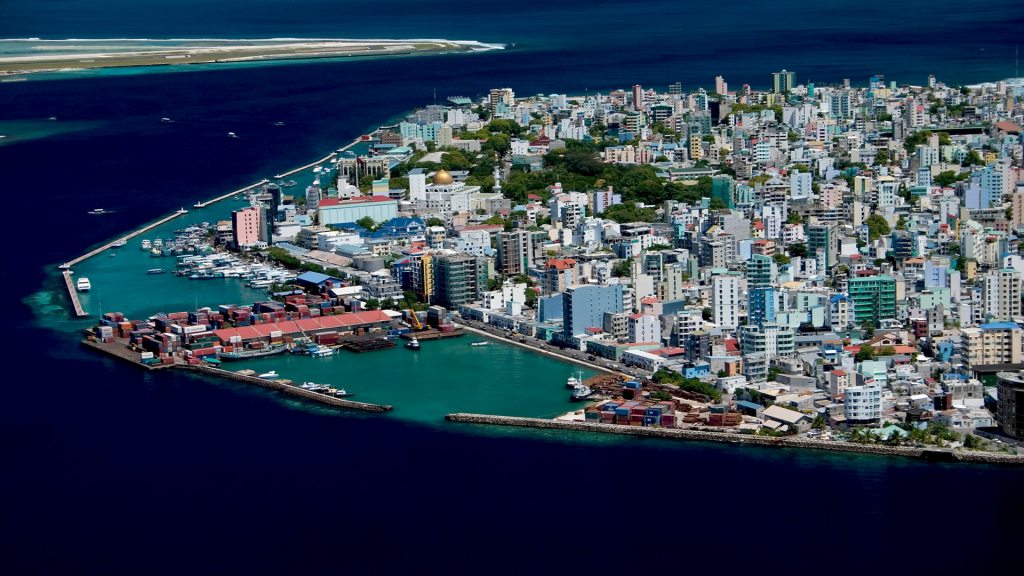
[272,350]
[580,393]
[146,245]
[83,285]
[156,271]
[158,243]
[270,375]
[413,344]
[119,244]
[320,351]
[572,383]
[156,252]
[479,343]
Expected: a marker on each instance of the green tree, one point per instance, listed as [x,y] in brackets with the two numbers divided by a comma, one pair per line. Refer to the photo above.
[794,218]
[877,227]
[882,158]
[620,268]
[531,297]
[819,423]
[886,351]
[722,374]
[781,259]
[867,353]
[798,249]
[388,303]
[368,223]
[974,159]
[372,304]
[718,204]
[435,222]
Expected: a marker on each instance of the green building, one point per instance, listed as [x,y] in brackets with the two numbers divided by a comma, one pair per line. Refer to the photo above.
[724,187]
[874,298]
[759,271]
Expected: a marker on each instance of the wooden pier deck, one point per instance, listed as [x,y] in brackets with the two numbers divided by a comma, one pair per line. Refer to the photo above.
[366,343]
[73,293]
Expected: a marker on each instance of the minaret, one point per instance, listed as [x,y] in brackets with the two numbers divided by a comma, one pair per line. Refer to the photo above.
[497,179]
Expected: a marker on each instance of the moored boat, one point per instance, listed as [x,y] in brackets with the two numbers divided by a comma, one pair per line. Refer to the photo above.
[83,285]
[270,375]
[479,343]
[580,393]
[413,344]
[272,350]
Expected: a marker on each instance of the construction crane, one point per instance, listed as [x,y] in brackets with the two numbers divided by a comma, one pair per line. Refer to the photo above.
[415,320]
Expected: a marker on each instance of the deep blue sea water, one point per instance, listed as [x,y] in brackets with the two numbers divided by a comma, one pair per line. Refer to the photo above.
[106,470]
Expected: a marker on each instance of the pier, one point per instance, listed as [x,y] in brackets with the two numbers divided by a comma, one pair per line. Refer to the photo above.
[79,312]
[427,335]
[365,343]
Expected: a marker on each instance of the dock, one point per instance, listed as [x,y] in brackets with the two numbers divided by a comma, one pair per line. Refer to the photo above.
[79,312]
[365,343]
[426,335]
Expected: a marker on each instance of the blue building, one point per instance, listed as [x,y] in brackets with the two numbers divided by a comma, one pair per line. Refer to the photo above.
[549,308]
[584,307]
[397,227]
[316,280]
[761,305]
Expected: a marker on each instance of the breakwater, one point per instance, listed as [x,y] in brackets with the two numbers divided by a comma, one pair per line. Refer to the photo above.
[513,341]
[230,194]
[106,246]
[287,389]
[931,454]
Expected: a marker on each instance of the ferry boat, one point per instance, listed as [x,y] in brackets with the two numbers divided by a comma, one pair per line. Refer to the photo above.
[479,343]
[156,271]
[413,344]
[119,244]
[83,285]
[270,375]
[272,350]
[580,393]
[146,245]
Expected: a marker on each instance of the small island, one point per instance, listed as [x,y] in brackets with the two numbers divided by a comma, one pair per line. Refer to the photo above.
[54,56]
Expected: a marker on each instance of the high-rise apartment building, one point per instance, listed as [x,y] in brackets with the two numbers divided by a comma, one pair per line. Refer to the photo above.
[584,306]
[783,81]
[874,298]
[725,301]
[1001,293]
[460,279]
[992,343]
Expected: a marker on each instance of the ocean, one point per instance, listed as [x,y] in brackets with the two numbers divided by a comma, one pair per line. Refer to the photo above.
[109,470]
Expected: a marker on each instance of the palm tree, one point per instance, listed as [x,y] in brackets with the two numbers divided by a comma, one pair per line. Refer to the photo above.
[857,435]
[819,422]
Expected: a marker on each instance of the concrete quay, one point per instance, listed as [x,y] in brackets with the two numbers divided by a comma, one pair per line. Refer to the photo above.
[75,303]
[578,358]
[120,351]
[928,454]
[230,194]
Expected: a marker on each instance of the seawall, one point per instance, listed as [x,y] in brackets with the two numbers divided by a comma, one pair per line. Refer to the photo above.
[936,454]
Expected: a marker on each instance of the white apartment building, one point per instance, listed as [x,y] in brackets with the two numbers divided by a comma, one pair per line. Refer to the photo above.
[725,298]
[643,328]
[1001,293]
[863,404]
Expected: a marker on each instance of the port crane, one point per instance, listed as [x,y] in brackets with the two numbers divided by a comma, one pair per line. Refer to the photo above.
[416,321]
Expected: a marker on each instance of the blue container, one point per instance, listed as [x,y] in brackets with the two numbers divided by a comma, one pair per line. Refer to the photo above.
[622,411]
[633,384]
[650,420]
[651,413]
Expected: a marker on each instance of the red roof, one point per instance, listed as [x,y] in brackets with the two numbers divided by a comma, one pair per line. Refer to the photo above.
[297,326]
[563,264]
[487,227]
[731,345]
[649,301]
[533,197]
[635,316]
[759,225]
[594,330]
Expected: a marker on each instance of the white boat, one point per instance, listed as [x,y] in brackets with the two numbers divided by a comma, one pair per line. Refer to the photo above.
[83,285]
[272,375]
[98,211]
[572,383]
[317,170]
[158,243]
[479,343]
[232,135]
[321,351]
[146,245]
[119,244]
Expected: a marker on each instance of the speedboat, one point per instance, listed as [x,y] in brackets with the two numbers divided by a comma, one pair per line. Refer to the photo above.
[272,375]
[342,394]
[156,271]
[83,285]
[278,124]
[119,244]
[479,343]
[146,245]
[98,211]
[232,135]
[166,120]
[413,344]
[320,351]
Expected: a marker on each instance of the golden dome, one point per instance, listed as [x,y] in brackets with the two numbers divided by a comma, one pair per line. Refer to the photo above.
[442,178]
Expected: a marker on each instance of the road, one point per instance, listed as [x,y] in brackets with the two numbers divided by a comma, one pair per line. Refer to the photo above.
[547,347]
